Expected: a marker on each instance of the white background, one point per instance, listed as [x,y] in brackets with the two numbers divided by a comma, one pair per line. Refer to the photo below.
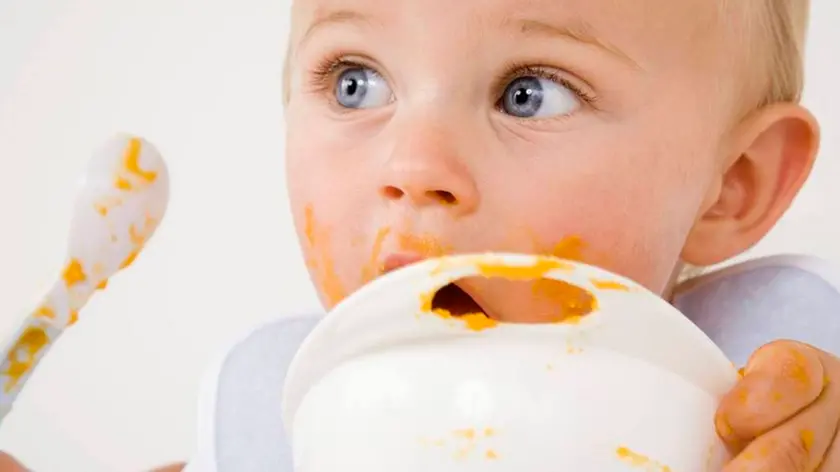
[201,79]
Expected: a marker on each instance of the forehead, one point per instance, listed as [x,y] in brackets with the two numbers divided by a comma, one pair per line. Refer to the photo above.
[641,28]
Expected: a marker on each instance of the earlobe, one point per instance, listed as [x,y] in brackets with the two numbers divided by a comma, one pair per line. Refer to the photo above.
[772,154]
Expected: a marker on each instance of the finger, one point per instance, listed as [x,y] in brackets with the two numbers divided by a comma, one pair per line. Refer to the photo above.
[801,443]
[10,464]
[831,461]
[171,468]
[780,380]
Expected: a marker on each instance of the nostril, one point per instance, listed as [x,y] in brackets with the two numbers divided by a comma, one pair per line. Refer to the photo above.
[442,196]
[392,193]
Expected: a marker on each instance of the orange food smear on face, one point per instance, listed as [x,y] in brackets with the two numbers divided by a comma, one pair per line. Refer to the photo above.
[22,356]
[639,460]
[570,248]
[102,285]
[101,209]
[132,161]
[491,455]
[74,273]
[74,317]
[426,246]
[373,268]
[309,233]
[332,286]
[320,261]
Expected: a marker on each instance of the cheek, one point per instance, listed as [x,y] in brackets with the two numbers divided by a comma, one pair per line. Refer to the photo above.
[320,171]
[332,193]
[631,219]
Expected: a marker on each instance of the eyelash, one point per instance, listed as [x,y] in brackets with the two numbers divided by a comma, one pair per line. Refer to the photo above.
[326,73]
[324,76]
[516,71]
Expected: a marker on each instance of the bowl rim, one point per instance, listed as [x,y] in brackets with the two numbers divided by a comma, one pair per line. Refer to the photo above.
[362,323]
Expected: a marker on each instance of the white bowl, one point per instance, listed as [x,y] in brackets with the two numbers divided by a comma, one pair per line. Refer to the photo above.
[384,385]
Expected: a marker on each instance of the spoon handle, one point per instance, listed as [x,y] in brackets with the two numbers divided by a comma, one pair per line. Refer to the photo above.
[35,336]
[29,344]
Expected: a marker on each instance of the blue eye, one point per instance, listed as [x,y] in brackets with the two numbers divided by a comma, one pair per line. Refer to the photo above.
[362,87]
[536,97]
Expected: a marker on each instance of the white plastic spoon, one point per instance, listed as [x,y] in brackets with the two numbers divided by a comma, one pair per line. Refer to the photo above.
[121,203]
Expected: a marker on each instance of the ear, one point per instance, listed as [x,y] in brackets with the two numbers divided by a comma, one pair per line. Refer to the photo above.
[770,156]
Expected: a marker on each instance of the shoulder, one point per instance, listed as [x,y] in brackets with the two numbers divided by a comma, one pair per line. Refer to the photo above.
[239,419]
[782,297]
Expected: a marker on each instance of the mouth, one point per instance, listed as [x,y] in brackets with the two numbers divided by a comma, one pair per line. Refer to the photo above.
[453,298]
[456,301]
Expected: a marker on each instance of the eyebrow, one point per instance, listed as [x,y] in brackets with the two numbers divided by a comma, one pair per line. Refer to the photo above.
[580,32]
[333,17]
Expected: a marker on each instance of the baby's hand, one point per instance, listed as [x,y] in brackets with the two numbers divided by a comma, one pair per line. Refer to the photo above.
[783,415]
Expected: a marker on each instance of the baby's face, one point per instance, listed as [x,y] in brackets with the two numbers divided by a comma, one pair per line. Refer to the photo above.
[592,129]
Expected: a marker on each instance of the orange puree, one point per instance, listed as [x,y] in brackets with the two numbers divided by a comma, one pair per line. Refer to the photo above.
[21,357]
[609,285]
[639,460]
[74,273]
[473,321]
[372,268]
[570,248]
[320,260]
[426,246]
[132,161]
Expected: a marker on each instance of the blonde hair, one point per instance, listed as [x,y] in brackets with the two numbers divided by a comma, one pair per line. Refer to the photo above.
[773,34]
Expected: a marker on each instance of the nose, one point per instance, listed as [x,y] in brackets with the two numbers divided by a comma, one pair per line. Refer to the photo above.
[426,169]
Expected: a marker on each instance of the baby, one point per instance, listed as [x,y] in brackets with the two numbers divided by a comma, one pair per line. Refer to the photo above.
[643,136]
